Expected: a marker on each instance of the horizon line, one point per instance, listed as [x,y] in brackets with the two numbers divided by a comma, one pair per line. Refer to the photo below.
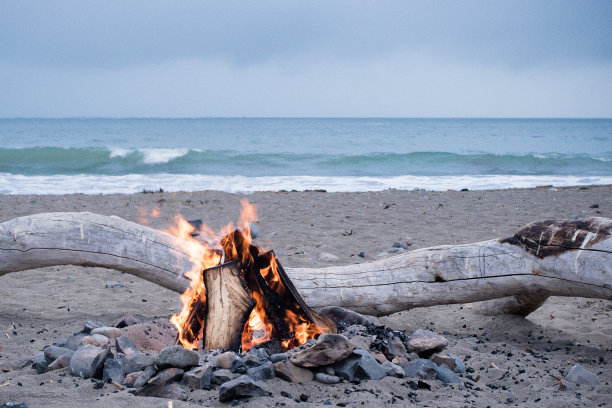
[307,117]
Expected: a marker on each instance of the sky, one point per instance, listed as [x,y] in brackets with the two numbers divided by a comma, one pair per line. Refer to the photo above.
[74,58]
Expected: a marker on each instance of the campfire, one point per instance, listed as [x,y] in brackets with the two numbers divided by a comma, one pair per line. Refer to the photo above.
[240,296]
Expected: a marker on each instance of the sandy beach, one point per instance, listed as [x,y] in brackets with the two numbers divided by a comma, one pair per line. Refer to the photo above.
[517,358]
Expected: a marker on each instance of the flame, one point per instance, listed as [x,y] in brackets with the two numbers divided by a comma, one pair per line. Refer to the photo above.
[212,248]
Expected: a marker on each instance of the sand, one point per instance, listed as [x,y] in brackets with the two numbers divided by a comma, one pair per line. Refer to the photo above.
[40,305]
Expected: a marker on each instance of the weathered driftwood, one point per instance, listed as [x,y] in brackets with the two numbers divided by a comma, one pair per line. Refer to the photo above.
[560,258]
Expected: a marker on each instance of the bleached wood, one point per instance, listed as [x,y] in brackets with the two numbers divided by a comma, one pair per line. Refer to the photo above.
[432,276]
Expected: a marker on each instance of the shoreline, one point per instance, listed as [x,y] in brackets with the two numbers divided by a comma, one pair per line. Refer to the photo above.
[47,303]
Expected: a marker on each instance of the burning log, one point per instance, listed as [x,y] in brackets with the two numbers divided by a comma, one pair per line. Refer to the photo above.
[549,258]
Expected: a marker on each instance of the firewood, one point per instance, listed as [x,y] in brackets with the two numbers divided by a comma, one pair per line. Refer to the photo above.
[549,258]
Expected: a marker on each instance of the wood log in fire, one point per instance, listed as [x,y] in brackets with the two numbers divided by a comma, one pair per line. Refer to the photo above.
[548,258]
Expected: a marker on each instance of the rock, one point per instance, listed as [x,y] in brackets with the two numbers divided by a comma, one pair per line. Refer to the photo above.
[378,356]
[12,404]
[360,366]
[74,342]
[199,378]
[446,375]
[39,363]
[60,342]
[326,378]
[327,257]
[114,369]
[262,372]
[241,387]
[400,361]
[361,342]
[426,342]
[131,378]
[52,353]
[151,336]
[255,358]
[355,330]
[345,317]
[361,254]
[394,348]
[400,245]
[125,320]
[328,349]
[226,360]
[223,375]
[126,346]
[61,362]
[421,368]
[176,356]
[275,358]
[440,359]
[138,361]
[459,366]
[110,332]
[97,340]
[580,375]
[13,365]
[292,373]
[563,342]
[254,230]
[90,325]
[147,374]
[393,250]
[114,284]
[393,370]
[88,361]
[166,376]
[172,392]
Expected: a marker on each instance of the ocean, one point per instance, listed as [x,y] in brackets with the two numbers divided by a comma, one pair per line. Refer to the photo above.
[93,155]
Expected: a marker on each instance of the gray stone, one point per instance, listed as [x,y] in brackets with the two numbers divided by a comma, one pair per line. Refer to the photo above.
[176,356]
[580,375]
[275,358]
[400,361]
[199,378]
[114,284]
[446,375]
[138,361]
[378,356]
[563,342]
[167,376]
[146,375]
[360,366]
[327,257]
[110,332]
[393,370]
[421,368]
[400,244]
[393,250]
[394,348]
[426,342]
[262,372]
[292,373]
[223,375]
[114,369]
[126,346]
[172,392]
[361,342]
[241,387]
[90,325]
[226,360]
[326,378]
[328,349]
[88,361]
[344,316]
[52,353]
[60,342]
[39,363]
[74,342]
[131,378]
[97,340]
[61,362]
[440,359]
[459,366]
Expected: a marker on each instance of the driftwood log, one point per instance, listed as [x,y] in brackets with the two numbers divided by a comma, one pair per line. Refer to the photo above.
[547,258]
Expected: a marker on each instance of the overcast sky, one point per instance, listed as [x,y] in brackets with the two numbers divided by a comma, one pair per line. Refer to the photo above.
[306,58]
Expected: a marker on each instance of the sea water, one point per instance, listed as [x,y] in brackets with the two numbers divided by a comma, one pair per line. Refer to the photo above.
[92,155]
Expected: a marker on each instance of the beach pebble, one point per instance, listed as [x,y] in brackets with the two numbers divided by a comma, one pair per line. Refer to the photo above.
[138,361]
[394,348]
[327,257]
[88,361]
[222,375]
[52,353]
[61,362]
[362,342]
[580,375]
[176,356]
[421,368]
[378,356]
[326,378]
[459,366]
[199,378]
[151,336]
[226,360]
[393,250]
[39,363]
[146,375]
[275,358]
[90,325]
[440,359]
[97,340]
[262,372]
[167,376]
[328,349]
[110,332]
[241,387]
[400,244]
[124,321]
[292,373]
[360,366]
[446,375]
[114,369]
[425,342]
[126,346]
[393,370]
[114,284]
[131,378]
[171,392]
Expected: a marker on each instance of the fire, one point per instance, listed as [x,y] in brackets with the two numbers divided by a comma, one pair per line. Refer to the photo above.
[211,249]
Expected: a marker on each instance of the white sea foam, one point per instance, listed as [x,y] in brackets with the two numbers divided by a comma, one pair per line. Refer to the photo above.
[131,183]
[161,155]
[119,152]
